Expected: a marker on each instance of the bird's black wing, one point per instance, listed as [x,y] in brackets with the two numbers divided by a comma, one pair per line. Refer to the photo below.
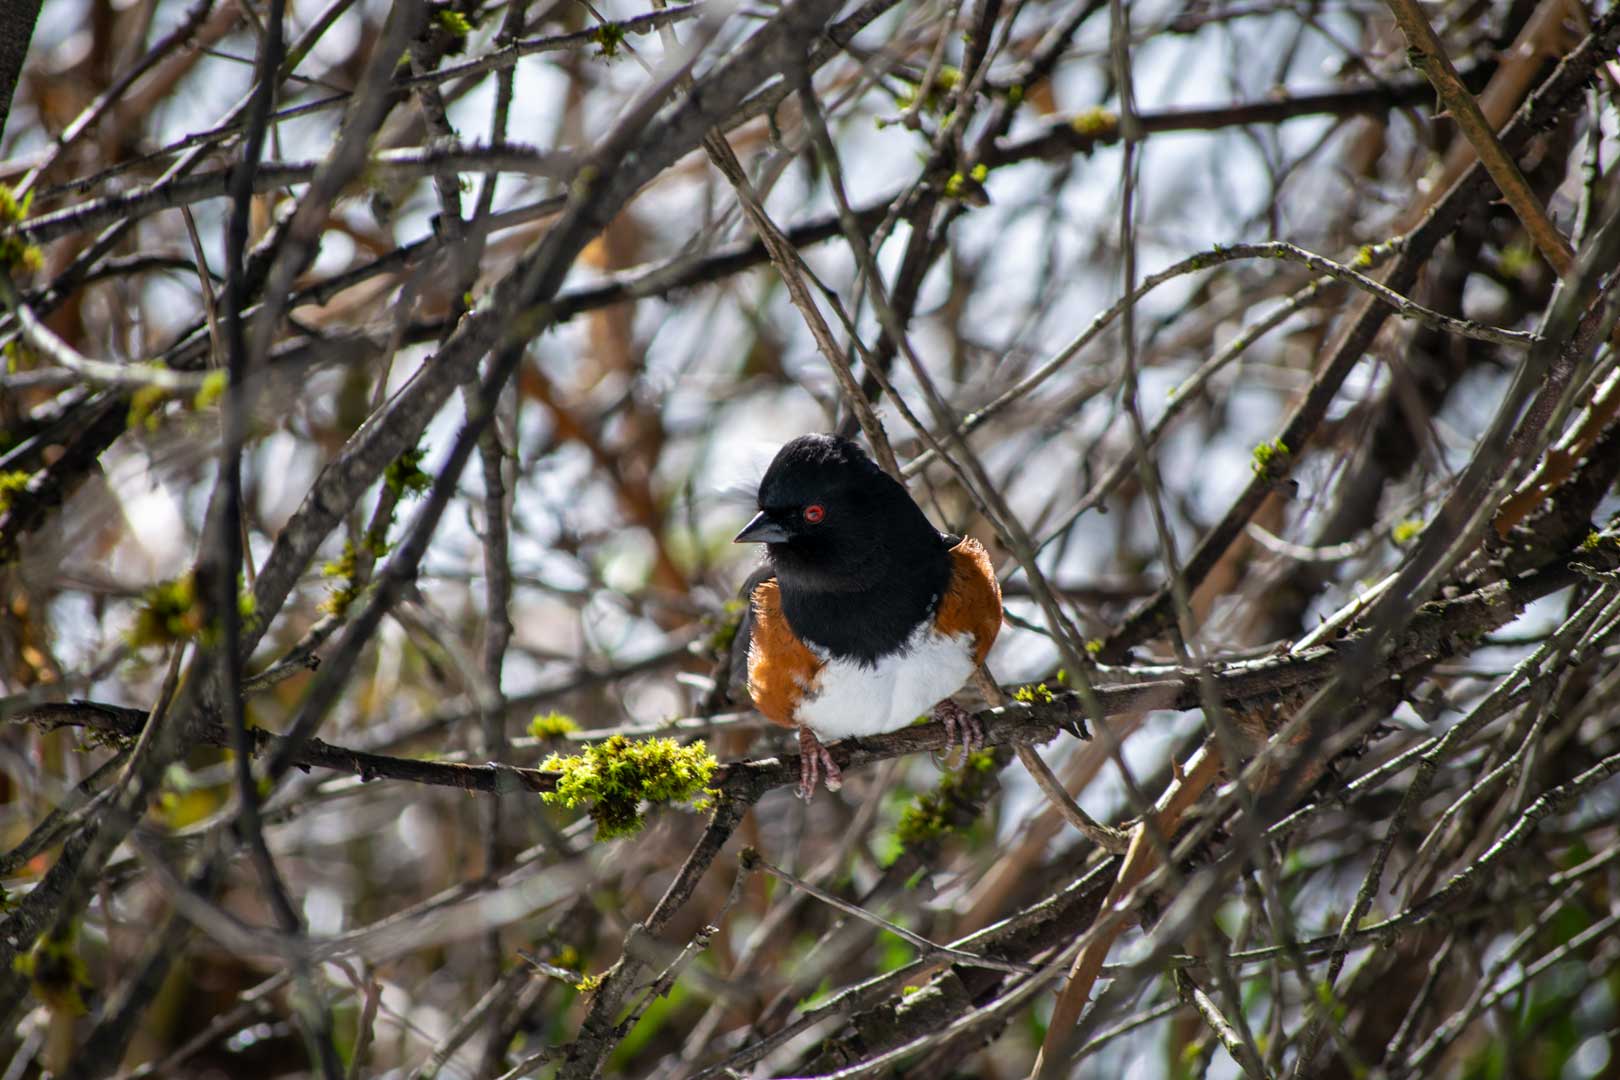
[738,682]
[731,666]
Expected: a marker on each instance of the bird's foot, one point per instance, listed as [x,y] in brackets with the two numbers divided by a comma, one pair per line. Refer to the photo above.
[961,727]
[814,759]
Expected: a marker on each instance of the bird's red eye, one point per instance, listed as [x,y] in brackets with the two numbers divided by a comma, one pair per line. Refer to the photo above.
[814,513]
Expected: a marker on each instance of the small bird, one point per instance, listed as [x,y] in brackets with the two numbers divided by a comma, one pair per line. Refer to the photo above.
[864,615]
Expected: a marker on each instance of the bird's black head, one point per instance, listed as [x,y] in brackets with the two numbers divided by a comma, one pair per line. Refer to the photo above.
[834,524]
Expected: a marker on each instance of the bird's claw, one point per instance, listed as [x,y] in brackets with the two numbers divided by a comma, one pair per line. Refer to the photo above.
[813,760]
[961,727]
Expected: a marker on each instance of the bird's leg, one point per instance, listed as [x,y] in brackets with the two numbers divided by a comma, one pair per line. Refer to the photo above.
[961,726]
[813,757]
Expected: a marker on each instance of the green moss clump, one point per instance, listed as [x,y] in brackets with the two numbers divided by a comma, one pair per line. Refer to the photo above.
[616,776]
[945,81]
[169,612]
[1096,123]
[10,484]
[341,599]
[929,817]
[453,23]
[552,725]
[969,187]
[15,252]
[924,820]
[608,37]
[145,402]
[345,568]
[56,973]
[20,357]
[172,611]
[1034,692]
[344,564]
[1271,459]
[404,475]
[1518,259]
[212,389]
[13,209]
[1406,530]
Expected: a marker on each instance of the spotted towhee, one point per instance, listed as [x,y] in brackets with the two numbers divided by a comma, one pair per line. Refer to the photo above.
[864,616]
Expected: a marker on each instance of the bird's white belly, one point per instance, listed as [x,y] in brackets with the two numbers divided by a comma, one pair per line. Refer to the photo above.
[853,699]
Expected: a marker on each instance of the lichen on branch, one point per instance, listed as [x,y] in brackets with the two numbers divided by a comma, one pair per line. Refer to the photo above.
[616,776]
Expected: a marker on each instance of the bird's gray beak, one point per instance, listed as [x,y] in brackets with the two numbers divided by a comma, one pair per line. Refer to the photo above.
[762,530]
